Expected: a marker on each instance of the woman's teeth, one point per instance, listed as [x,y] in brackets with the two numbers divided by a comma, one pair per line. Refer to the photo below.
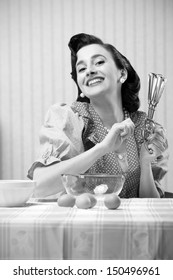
[94,81]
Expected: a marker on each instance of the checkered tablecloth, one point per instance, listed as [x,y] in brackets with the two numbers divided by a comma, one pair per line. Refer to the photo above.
[138,229]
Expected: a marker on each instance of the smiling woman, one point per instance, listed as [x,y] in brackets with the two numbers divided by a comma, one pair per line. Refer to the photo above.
[97,73]
[101,132]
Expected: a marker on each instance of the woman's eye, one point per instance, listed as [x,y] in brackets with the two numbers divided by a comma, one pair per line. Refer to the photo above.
[100,62]
[81,69]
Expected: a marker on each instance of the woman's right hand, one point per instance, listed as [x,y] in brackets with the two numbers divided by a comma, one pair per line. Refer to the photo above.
[115,139]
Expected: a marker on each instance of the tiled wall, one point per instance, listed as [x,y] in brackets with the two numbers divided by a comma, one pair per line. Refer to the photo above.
[35,63]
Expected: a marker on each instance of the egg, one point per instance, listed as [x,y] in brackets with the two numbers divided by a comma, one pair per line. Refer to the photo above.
[93,199]
[112,201]
[66,200]
[85,201]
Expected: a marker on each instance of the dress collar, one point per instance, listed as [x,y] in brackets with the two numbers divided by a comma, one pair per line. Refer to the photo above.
[94,129]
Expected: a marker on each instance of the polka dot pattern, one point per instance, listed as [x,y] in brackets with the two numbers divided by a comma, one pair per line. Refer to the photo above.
[109,163]
[95,132]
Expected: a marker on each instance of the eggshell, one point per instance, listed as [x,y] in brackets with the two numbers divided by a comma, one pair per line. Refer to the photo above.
[83,201]
[100,189]
[66,200]
[112,201]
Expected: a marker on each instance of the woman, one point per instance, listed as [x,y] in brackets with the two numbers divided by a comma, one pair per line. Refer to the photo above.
[102,131]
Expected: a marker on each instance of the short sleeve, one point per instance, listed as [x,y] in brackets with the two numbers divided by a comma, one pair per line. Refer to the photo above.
[60,136]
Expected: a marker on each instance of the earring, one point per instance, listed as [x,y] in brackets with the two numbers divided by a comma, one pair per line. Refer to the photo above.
[82,95]
[122,80]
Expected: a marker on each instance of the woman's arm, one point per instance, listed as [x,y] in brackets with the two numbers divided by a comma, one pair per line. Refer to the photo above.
[48,178]
[147,183]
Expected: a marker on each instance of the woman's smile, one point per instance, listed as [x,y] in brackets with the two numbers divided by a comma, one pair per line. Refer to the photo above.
[94,81]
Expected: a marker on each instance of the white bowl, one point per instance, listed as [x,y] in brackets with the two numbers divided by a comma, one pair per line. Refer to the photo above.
[15,193]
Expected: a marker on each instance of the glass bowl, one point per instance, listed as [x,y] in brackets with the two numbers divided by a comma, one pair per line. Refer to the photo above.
[96,184]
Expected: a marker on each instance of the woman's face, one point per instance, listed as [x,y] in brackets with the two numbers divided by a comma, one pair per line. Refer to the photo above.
[97,73]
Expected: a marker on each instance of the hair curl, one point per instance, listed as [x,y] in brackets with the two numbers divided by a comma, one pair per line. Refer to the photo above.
[130,88]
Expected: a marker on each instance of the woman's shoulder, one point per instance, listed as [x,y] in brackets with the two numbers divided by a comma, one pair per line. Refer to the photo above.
[59,108]
[60,112]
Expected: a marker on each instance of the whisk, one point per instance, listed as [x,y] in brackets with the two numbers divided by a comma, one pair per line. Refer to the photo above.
[156,86]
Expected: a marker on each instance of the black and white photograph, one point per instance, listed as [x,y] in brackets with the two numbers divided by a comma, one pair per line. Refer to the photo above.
[86,138]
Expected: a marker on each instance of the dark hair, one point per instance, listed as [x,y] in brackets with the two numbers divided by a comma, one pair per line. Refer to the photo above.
[130,88]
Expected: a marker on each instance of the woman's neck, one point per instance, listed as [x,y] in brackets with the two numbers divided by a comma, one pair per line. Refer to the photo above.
[110,112]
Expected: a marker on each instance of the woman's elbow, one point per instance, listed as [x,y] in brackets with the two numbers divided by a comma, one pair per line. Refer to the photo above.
[46,185]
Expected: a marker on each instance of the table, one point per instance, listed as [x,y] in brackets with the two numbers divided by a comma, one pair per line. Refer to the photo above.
[138,229]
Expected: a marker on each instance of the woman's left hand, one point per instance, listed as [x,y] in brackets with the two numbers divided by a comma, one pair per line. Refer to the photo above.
[156,145]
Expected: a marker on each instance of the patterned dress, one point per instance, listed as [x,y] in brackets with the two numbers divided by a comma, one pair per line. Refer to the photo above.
[69,131]
[94,133]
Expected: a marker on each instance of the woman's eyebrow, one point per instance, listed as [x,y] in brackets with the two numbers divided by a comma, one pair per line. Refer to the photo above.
[80,62]
[92,57]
